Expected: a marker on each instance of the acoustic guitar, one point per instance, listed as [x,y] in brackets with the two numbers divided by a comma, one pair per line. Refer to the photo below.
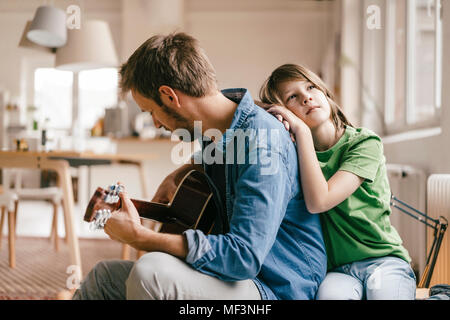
[195,205]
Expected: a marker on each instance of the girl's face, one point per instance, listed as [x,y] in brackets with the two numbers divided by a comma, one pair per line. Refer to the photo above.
[306,101]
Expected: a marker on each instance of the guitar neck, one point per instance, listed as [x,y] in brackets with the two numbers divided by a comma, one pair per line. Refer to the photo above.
[152,210]
[190,207]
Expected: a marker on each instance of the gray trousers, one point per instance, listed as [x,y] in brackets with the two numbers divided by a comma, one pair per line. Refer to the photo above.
[159,276]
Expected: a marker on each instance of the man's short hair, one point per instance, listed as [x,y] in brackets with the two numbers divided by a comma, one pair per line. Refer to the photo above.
[175,60]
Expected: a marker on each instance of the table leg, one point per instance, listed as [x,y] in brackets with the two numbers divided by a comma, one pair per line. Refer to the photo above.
[12,239]
[143,181]
[2,219]
[84,185]
[65,182]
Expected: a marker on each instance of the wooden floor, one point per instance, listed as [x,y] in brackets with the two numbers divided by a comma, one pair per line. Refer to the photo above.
[40,272]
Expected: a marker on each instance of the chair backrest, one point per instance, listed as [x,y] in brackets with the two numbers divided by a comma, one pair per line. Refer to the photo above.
[14,165]
[15,179]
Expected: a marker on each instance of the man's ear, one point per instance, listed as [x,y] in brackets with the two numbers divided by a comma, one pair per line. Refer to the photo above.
[169,96]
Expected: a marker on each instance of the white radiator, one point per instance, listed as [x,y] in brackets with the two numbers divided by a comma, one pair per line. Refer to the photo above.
[408,184]
[438,204]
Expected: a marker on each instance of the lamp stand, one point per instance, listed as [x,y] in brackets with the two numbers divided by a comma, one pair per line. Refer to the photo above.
[76,128]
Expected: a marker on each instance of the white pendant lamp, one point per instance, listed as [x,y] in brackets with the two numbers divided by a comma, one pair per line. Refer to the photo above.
[89,47]
[25,43]
[48,27]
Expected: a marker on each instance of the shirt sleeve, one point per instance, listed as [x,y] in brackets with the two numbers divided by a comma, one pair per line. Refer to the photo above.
[364,158]
[256,218]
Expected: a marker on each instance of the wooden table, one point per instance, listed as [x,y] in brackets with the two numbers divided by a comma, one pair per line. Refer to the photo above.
[60,161]
[77,159]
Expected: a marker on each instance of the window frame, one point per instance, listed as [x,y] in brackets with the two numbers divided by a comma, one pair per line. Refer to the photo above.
[408,122]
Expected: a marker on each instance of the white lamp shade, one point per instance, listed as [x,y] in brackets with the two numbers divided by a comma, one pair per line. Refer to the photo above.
[25,43]
[89,47]
[48,27]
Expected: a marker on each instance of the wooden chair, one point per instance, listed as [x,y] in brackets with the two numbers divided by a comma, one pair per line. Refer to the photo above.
[32,160]
[48,194]
[8,202]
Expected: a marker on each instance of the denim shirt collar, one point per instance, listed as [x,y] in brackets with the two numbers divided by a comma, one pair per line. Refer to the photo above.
[246,105]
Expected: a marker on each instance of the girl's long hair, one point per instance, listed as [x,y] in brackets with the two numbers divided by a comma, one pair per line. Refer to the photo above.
[291,72]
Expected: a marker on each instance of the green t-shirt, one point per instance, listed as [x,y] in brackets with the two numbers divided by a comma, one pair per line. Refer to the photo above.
[359,227]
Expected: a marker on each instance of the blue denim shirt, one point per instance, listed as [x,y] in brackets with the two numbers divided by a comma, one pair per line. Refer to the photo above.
[273,239]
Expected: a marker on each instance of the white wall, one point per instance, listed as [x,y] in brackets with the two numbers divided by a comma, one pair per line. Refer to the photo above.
[142,19]
[372,70]
[350,61]
[246,40]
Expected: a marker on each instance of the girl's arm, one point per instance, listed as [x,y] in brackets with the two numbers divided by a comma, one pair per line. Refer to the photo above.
[320,195]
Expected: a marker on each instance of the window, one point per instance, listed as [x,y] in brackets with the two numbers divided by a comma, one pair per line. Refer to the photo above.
[53,97]
[97,91]
[413,64]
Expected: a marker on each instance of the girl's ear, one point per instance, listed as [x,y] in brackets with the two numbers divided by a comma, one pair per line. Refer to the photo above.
[169,96]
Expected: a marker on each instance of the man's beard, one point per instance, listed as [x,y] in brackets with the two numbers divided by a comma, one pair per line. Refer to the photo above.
[181,121]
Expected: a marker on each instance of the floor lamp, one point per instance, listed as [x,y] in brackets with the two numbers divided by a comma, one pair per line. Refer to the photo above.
[90,47]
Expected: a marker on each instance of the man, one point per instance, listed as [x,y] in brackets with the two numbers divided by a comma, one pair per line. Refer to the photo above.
[274,248]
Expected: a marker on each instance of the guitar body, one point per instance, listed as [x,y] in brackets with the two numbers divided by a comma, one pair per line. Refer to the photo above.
[192,206]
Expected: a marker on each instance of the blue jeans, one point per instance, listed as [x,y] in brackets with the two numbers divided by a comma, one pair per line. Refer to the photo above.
[385,278]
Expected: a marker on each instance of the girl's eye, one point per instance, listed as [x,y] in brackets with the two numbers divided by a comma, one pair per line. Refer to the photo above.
[291,97]
[311,87]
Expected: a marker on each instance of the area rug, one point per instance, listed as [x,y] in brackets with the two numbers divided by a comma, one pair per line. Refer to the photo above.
[41,272]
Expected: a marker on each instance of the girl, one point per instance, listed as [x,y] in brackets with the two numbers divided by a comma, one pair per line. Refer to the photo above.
[344,178]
